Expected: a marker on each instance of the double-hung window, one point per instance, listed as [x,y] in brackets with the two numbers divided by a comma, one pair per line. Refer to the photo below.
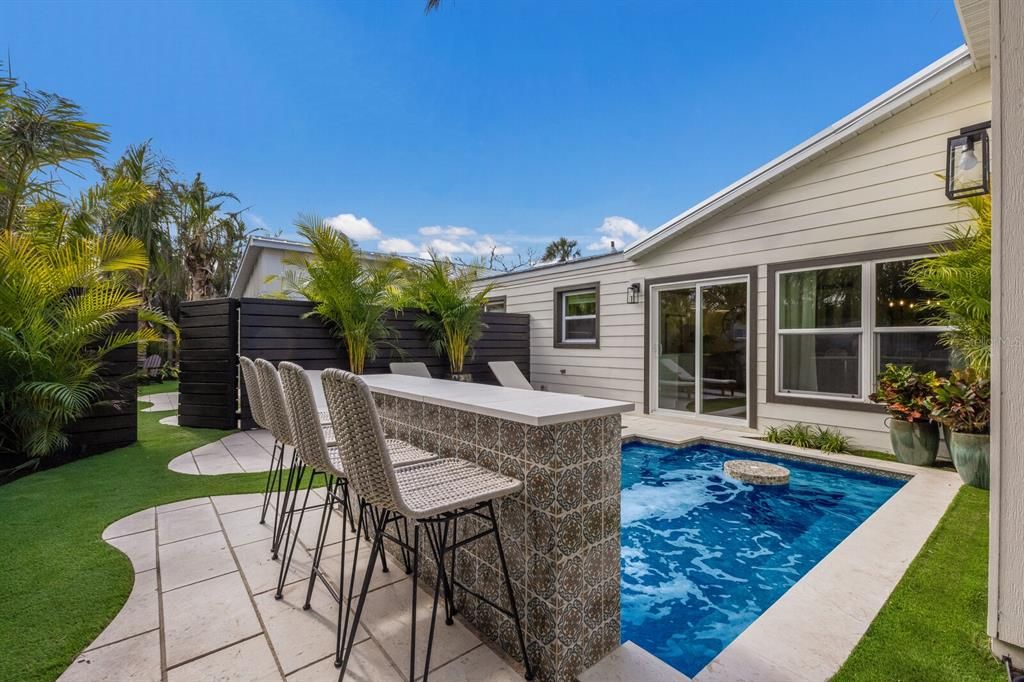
[576,316]
[838,325]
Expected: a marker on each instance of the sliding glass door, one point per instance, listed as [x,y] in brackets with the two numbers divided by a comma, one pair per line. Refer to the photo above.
[700,348]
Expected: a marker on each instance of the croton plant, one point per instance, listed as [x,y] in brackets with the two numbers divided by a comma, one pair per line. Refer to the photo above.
[905,392]
[962,403]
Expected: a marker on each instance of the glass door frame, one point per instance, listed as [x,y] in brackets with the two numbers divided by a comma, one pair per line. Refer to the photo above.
[654,311]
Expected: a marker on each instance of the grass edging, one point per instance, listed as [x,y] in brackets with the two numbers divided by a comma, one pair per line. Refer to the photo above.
[933,627]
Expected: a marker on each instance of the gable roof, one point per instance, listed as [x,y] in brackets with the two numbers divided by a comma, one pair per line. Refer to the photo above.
[923,83]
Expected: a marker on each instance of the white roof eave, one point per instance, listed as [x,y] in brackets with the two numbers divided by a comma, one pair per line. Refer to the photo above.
[936,75]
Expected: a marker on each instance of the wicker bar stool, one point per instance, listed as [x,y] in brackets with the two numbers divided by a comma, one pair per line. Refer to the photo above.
[252,389]
[434,495]
[321,457]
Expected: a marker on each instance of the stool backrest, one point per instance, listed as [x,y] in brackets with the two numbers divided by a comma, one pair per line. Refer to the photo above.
[411,369]
[304,418]
[274,408]
[252,389]
[361,443]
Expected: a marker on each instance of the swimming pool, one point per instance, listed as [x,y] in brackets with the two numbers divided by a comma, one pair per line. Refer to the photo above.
[704,555]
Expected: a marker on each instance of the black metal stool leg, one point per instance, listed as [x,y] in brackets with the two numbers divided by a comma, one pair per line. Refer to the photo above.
[289,553]
[439,539]
[283,508]
[269,485]
[377,541]
[321,538]
[415,589]
[511,595]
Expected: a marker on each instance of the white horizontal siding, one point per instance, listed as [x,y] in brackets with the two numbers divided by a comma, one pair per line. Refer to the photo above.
[877,190]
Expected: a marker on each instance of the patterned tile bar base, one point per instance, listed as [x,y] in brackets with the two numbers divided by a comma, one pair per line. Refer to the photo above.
[560,535]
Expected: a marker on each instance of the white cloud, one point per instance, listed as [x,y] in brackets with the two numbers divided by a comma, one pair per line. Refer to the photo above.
[449,232]
[447,248]
[396,245]
[353,227]
[622,231]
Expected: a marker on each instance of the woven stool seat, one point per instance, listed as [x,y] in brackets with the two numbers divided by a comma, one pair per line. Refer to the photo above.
[447,484]
[404,454]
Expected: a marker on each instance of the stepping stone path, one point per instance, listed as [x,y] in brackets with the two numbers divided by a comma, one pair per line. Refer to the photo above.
[203,608]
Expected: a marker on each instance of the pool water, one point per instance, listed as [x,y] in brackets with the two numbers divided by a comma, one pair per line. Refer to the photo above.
[704,555]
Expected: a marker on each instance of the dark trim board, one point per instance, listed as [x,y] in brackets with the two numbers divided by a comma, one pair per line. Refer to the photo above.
[557,331]
[823,262]
[751,275]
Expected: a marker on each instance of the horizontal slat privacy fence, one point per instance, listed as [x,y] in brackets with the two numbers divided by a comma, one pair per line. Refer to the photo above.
[208,380]
[277,330]
[114,422]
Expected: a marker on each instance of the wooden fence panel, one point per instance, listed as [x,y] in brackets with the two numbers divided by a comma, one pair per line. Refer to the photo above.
[113,423]
[277,330]
[208,379]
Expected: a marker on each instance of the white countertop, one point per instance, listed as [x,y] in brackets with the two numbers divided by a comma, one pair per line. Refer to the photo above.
[536,408]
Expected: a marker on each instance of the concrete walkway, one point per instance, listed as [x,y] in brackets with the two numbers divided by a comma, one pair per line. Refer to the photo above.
[203,608]
[238,453]
[162,402]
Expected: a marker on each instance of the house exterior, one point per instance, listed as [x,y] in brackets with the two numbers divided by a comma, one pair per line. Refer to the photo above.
[777,299]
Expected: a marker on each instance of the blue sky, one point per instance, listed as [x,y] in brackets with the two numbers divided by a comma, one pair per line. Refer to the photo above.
[504,123]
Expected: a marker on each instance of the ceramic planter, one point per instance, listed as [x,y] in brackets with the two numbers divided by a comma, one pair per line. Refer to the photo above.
[461,376]
[914,443]
[970,455]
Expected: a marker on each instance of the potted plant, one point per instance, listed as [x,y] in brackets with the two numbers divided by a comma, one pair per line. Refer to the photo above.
[963,404]
[351,291]
[451,311]
[904,392]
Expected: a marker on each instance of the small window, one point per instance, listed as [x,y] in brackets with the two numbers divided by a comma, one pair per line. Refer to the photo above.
[495,305]
[903,333]
[576,316]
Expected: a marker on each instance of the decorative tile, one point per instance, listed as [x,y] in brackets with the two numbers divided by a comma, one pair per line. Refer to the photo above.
[570,535]
[570,488]
[569,444]
[512,438]
[540,445]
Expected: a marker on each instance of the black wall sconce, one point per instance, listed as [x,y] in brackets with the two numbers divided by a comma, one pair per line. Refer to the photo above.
[633,293]
[967,162]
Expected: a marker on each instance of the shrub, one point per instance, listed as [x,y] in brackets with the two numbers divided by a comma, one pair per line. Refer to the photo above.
[807,436]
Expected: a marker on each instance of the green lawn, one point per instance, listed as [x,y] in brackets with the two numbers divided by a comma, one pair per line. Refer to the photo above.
[163,387]
[60,584]
[933,626]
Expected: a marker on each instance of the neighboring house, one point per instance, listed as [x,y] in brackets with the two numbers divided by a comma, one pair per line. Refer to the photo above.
[777,299]
[263,263]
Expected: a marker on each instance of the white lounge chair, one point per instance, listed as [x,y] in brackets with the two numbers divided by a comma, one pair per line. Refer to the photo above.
[507,373]
[411,369]
[685,378]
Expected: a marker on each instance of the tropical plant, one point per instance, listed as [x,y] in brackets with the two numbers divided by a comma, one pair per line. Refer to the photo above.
[351,291]
[451,310]
[962,403]
[807,436]
[38,131]
[59,302]
[561,250]
[209,239]
[960,277]
[904,392]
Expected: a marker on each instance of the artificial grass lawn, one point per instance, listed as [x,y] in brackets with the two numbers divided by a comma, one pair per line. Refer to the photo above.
[933,626]
[60,583]
[162,387]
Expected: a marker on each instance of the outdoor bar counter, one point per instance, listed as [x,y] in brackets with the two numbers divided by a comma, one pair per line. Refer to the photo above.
[560,535]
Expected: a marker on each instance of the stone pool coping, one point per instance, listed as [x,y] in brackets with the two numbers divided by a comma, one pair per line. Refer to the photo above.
[810,631]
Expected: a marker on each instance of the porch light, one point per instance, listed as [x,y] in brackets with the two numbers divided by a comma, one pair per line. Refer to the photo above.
[965,176]
[633,293]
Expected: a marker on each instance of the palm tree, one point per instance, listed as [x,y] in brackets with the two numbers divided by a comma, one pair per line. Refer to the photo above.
[209,239]
[561,250]
[39,131]
[451,309]
[59,301]
[349,290]
[960,277]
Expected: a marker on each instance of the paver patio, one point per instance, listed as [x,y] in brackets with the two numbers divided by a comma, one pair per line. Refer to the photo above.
[203,607]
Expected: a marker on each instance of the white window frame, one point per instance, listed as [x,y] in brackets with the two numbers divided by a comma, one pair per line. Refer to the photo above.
[869,331]
[565,318]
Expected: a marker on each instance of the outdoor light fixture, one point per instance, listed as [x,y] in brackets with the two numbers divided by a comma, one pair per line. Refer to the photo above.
[633,293]
[966,174]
